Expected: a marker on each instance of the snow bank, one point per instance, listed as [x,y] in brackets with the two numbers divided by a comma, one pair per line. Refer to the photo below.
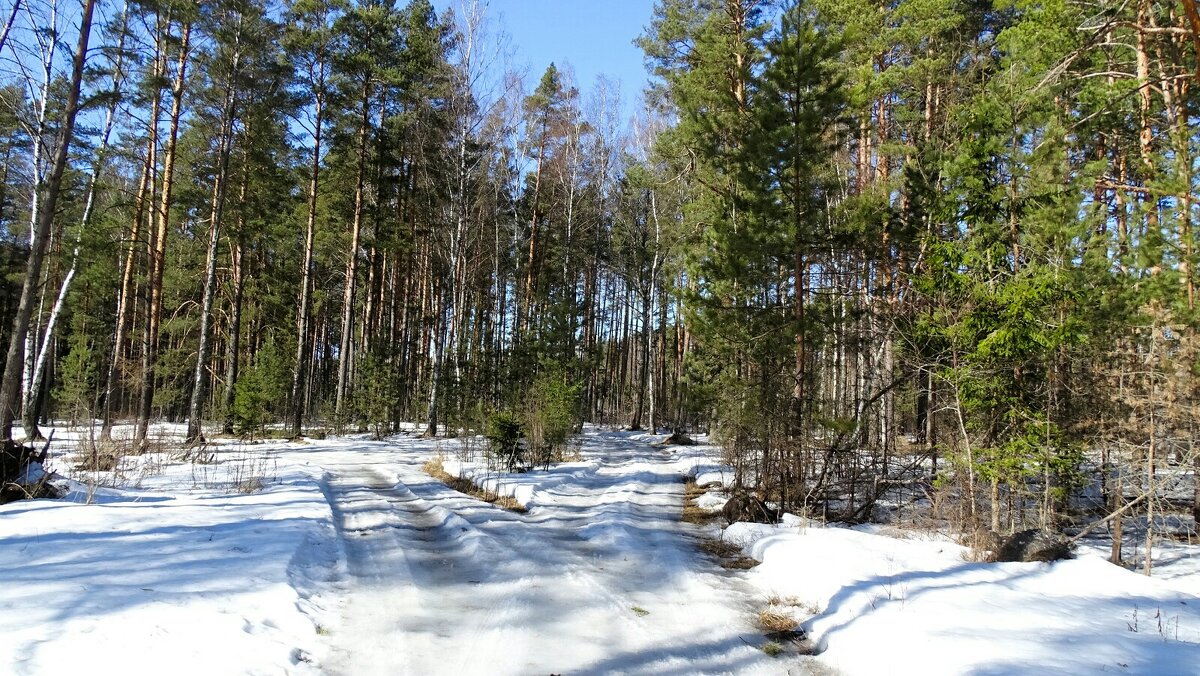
[139,582]
[903,606]
[187,577]
[700,463]
[524,487]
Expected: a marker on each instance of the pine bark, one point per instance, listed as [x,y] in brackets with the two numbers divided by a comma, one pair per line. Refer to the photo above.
[233,346]
[158,252]
[346,344]
[216,215]
[304,311]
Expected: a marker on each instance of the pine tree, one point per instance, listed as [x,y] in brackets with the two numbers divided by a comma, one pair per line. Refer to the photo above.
[368,47]
[310,43]
[797,125]
[706,55]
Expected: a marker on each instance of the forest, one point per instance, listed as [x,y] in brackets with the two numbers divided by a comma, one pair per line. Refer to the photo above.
[940,246]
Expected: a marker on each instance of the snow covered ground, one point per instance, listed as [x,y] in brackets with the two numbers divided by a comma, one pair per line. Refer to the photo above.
[890,605]
[351,560]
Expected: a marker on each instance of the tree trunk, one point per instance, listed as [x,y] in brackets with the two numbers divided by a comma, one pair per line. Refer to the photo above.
[12,18]
[41,125]
[435,377]
[233,350]
[653,284]
[216,213]
[1148,562]
[1146,129]
[233,346]
[1116,503]
[145,196]
[303,313]
[32,413]
[159,249]
[525,315]
[1195,485]
[644,367]
[51,188]
[345,346]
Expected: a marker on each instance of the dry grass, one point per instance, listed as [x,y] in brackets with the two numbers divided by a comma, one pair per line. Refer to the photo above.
[248,486]
[739,563]
[437,470]
[119,461]
[769,620]
[781,628]
[980,544]
[102,458]
[729,554]
[719,548]
[105,455]
[572,453]
[691,512]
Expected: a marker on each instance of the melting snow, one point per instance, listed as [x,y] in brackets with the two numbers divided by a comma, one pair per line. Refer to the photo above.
[351,560]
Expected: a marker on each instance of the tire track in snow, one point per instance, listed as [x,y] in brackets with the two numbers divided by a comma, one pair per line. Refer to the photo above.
[442,583]
[399,550]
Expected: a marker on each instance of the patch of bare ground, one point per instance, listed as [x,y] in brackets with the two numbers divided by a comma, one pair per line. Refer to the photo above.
[437,470]
[728,554]
[693,513]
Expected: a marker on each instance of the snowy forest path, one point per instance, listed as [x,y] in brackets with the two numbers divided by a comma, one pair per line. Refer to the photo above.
[599,576]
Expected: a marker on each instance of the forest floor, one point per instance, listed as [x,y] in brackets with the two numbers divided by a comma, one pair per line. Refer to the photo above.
[343,556]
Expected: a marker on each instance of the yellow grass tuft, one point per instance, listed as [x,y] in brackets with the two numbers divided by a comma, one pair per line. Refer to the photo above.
[775,622]
[729,554]
[691,512]
[434,468]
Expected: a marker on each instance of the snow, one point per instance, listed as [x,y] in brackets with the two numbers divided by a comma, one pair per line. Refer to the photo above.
[205,583]
[920,606]
[31,474]
[342,556]
[597,577]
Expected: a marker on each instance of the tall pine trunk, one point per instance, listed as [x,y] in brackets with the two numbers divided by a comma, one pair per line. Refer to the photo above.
[158,251]
[233,347]
[345,345]
[304,312]
[216,214]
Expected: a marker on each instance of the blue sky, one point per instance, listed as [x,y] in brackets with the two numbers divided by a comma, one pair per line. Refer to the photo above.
[593,36]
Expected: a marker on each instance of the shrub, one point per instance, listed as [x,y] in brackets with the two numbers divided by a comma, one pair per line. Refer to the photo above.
[376,393]
[551,415]
[259,389]
[505,438]
[537,433]
[78,373]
